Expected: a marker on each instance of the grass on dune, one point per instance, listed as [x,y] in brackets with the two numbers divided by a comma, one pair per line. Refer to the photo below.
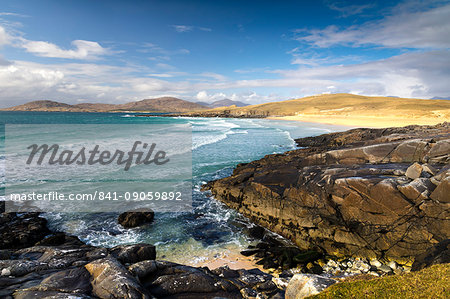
[432,282]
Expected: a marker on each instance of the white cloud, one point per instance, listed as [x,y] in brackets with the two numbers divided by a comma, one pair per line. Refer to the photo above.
[8,14]
[421,75]
[209,98]
[83,49]
[405,27]
[182,28]
[250,97]
[3,61]
[214,76]
[4,37]
[188,28]
[349,10]
[155,49]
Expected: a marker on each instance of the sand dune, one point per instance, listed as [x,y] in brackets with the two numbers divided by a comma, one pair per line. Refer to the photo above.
[347,109]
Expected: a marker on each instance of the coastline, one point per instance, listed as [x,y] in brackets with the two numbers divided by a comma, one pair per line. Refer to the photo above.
[361,121]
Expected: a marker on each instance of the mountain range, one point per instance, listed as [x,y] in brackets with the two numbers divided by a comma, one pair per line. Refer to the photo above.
[223,103]
[163,104]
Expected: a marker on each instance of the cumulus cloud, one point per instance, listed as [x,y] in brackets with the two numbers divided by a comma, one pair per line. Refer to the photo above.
[405,27]
[209,98]
[83,49]
[3,61]
[421,75]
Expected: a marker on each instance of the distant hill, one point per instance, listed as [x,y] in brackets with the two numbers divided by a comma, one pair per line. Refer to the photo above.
[223,103]
[164,104]
[441,98]
[226,103]
[45,106]
[341,108]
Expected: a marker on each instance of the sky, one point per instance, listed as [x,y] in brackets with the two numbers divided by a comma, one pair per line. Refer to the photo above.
[253,51]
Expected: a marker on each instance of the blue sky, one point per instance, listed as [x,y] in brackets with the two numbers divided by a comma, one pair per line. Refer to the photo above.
[252,51]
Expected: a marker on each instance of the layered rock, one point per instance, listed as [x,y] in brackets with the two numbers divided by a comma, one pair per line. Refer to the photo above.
[62,266]
[373,193]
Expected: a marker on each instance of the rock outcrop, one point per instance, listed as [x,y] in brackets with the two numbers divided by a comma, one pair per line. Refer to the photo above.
[304,285]
[136,218]
[60,266]
[371,193]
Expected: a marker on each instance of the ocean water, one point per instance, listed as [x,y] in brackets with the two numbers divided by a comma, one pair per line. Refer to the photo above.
[218,145]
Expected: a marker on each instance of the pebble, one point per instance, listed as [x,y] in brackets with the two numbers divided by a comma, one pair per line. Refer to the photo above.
[332,264]
[6,272]
[393,265]
[385,269]
[375,263]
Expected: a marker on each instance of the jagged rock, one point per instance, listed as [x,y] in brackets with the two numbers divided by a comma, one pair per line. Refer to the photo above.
[22,230]
[414,171]
[442,191]
[136,218]
[304,285]
[346,193]
[72,282]
[134,253]
[418,189]
[430,169]
[109,279]
[72,269]
[143,269]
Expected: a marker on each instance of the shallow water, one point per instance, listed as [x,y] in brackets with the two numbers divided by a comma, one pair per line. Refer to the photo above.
[210,229]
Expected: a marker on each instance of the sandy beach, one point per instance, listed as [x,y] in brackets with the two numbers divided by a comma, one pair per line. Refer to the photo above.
[364,121]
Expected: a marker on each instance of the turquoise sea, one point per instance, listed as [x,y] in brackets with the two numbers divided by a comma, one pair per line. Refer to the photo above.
[218,145]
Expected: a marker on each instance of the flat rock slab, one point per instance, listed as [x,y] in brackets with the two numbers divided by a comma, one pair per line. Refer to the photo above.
[370,193]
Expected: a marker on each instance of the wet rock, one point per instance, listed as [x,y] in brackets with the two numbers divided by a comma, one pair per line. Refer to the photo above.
[21,230]
[136,218]
[250,252]
[304,285]
[109,279]
[249,293]
[257,232]
[225,272]
[143,269]
[74,282]
[59,238]
[171,279]
[134,253]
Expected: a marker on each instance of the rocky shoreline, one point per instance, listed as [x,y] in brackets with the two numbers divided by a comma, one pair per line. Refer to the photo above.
[56,265]
[38,263]
[364,201]
[365,193]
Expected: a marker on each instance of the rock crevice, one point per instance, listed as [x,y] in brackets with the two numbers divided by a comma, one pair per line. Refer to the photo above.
[372,193]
